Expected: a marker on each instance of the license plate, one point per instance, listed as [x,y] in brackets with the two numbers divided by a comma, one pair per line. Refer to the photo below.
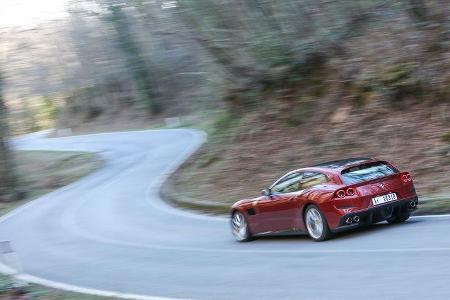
[385,198]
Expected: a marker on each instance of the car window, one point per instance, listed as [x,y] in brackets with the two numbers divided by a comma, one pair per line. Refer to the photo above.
[311,179]
[289,184]
[367,172]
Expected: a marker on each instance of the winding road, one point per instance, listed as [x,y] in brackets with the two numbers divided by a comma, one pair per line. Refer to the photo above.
[111,232]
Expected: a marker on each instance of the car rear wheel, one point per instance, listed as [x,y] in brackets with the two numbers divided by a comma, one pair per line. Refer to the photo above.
[399,218]
[239,227]
[316,224]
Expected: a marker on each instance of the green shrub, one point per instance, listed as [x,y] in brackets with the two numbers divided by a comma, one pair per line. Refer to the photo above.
[446,137]
[399,82]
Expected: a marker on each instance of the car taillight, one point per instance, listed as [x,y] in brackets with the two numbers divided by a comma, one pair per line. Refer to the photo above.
[340,193]
[350,192]
[406,177]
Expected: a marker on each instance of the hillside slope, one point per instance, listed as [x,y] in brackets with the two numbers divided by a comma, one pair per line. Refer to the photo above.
[260,148]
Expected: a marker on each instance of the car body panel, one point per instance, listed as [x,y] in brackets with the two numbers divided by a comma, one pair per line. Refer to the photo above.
[285,211]
[274,213]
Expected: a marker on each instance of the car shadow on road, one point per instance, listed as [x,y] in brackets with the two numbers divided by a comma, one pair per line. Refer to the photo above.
[351,234]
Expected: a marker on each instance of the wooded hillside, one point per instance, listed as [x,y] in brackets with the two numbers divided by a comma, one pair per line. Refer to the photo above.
[294,81]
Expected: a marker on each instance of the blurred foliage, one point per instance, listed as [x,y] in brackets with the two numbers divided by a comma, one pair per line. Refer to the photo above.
[297,62]
[40,172]
[446,137]
[400,83]
[8,178]
[265,45]
[34,114]
[192,55]
[141,73]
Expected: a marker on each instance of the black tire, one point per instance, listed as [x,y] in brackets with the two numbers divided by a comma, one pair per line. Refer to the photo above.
[399,218]
[325,233]
[241,234]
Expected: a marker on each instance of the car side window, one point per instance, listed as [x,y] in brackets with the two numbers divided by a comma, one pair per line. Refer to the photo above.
[288,184]
[311,179]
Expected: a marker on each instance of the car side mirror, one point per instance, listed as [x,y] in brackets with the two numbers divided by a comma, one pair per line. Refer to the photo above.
[266,192]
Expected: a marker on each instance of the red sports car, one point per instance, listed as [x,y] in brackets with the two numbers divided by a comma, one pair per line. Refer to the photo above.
[328,198]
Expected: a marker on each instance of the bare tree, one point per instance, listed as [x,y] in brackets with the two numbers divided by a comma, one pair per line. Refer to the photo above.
[8,179]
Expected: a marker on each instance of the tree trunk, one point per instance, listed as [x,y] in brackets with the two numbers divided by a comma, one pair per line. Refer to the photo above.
[8,179]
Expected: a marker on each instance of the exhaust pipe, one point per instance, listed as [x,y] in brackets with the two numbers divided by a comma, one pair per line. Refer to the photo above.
[349,221]
[356,219]
[412,204]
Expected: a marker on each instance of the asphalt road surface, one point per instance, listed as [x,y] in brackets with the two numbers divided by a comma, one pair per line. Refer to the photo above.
[111,231]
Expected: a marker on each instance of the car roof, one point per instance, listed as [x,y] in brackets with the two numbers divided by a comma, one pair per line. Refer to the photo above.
[333,167]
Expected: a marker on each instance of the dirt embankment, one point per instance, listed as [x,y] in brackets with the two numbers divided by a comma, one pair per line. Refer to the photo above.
[260,147]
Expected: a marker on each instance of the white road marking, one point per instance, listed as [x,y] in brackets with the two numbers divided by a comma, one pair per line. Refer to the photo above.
[77,289]
[431,216]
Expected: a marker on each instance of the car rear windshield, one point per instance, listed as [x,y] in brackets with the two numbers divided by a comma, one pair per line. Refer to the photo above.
[367,172]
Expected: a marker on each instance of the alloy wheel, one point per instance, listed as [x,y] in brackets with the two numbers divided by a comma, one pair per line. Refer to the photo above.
[239,227]
[314,223]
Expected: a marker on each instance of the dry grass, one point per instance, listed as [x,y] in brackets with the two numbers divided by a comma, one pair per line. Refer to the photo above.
[42,293]
[41,172]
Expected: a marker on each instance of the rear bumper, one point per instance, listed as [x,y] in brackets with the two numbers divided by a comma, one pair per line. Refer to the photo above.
[376,214]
